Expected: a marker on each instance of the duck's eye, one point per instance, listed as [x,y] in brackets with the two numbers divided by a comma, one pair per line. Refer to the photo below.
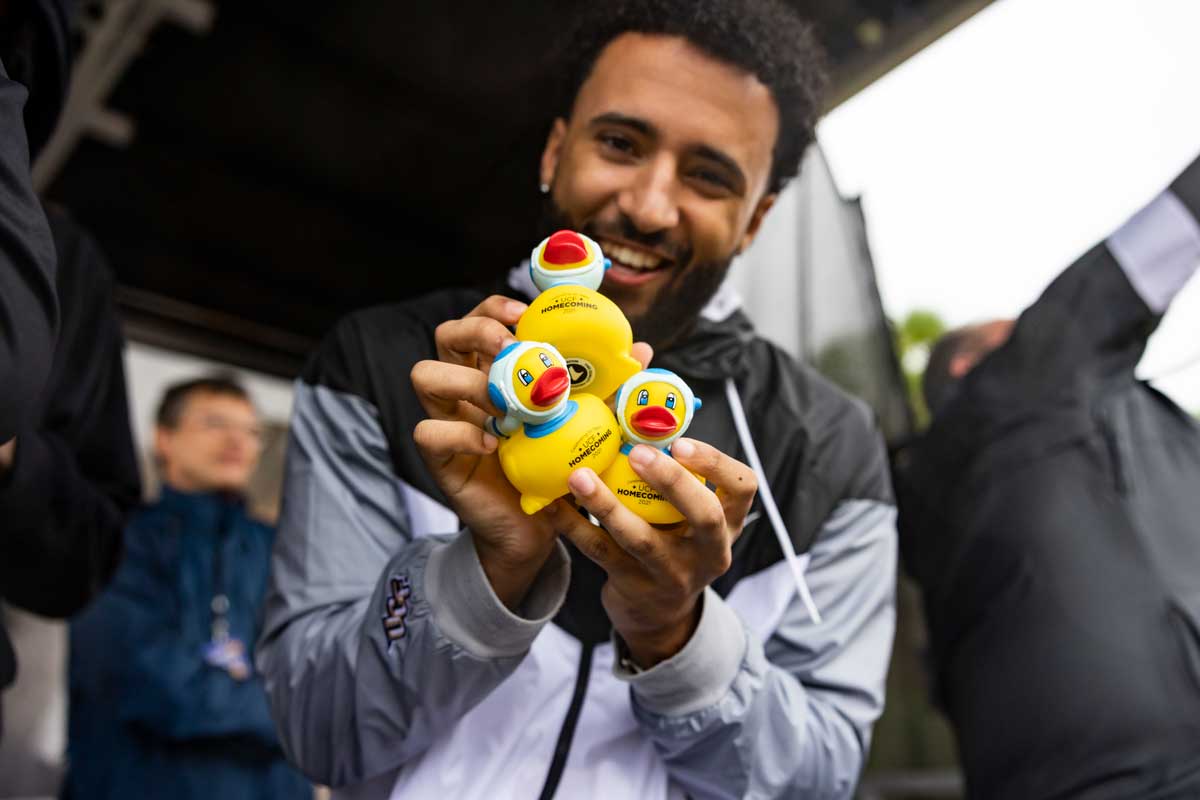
[524,377]
[546,359]
[671,400]
[643,397]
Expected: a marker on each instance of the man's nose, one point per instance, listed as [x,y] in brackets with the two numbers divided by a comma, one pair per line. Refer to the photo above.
[650,201]
[240,437]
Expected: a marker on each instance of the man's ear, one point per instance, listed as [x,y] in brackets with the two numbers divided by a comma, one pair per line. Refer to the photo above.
[756,218]
[553,150]
[162,439]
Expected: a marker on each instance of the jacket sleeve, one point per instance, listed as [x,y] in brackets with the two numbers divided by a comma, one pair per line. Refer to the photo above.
[166,688]
[28,306]
[376,640]
[1158,250]
[75,472]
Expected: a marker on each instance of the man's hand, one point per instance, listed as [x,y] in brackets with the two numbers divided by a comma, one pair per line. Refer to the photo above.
[7,451]
[512,545]
[656,576]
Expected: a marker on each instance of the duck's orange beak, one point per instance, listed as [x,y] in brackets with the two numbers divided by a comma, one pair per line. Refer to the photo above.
[654,421]
[550,386]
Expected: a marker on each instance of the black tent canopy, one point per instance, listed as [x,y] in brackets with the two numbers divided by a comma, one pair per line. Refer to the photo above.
[282,163]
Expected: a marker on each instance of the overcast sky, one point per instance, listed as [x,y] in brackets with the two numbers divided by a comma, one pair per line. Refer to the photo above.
[990,160]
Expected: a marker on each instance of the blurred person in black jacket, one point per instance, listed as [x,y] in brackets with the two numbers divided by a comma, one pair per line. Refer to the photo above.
[1050,514]
[28,306]
[68,471]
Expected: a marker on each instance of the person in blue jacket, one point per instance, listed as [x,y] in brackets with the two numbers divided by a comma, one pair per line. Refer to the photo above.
[164,700]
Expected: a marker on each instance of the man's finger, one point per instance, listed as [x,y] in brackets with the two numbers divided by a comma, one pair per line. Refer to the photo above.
[503,309]
[464,341]
[593,542]
[643,352]
[736,483]
[698,504]
[441,440]
[631,532]
[452,391]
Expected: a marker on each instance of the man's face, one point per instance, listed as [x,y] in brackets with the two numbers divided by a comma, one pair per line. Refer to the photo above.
[215,446]
[665,162]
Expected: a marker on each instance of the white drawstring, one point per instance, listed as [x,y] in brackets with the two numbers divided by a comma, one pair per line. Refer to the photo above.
[768,500]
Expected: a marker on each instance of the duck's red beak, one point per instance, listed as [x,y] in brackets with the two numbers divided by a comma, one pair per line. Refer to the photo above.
[654,421]
[565,247]
[550,386]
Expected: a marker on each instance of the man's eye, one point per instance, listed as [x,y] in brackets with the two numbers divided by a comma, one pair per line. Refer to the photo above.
[617,143]
[712,179]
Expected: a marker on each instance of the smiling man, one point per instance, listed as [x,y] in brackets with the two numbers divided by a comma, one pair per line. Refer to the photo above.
[425,637]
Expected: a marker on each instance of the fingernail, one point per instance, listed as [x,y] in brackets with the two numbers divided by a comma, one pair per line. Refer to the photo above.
[516,308]
[642,455]
[489,442]
[683,447]
[581,481]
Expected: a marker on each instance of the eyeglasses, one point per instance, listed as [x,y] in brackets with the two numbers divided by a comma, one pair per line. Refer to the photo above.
[215,423]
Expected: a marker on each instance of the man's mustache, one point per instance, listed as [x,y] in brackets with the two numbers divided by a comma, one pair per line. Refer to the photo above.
[627,231]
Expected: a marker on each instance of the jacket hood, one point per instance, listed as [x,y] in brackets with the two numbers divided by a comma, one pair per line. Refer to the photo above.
[714,350]
[37,52]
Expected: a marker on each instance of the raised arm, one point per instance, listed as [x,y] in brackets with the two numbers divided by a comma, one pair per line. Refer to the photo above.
[1092,323]
[75,474]
[28,304]
[1159,248]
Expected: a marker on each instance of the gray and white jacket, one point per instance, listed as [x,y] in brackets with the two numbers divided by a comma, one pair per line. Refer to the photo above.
[394,671]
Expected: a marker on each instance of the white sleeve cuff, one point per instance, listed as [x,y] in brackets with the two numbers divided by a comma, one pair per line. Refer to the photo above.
[700,674]
[1158,249]
[467,611]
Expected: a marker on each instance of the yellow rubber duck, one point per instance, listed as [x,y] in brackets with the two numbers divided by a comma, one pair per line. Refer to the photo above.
[586,327]
[545,435]
[654,408]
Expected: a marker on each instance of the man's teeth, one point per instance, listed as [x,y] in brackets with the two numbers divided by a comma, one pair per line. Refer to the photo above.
[632,258]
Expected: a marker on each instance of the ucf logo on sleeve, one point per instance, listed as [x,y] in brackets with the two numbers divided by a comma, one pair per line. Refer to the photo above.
[396,608]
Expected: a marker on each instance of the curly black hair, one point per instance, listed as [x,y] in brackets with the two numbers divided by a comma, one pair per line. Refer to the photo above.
[763,37]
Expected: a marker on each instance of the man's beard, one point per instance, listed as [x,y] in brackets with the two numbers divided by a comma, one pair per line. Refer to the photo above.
[674,310]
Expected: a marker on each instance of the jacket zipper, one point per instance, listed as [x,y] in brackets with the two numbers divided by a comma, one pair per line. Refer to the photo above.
[567,733]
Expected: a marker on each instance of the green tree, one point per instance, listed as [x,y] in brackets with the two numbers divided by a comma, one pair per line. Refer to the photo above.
[915,336]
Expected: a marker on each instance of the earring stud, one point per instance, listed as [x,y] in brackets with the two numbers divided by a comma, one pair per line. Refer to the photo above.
[545,188]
